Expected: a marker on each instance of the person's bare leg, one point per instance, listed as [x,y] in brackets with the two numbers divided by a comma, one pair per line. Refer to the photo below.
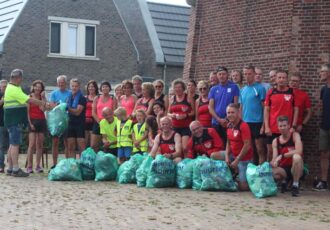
[71,148]
[55,141]
[14,156]
[243,186]
[39,146]
[184,141]
[324,165]
[66,147]
[31,149]
[260,150]
[269,152]
[218,156]
[9,160]
[81,145]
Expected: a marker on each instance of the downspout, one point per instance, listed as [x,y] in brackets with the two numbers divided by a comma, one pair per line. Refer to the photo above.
[130,37]
[164,73]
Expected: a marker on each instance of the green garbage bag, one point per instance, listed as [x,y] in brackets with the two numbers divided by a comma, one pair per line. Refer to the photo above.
[184,173]
[162,173]
[66,170]
[261,181]
[126,172]
[197,176]
[143,170]
[57,120]
[216,176]
[106,167]
[87,161]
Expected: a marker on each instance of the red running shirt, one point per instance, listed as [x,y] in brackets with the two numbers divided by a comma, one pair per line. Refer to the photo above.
[167,146]
[303,102]
[281,103]
[183,107]
[204,116]
[236,136]
[35,112]
[88,114]
[208,143]
[284,148]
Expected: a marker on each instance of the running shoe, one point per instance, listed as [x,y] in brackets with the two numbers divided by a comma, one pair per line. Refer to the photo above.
[39,169]
[29,170]
[295,191]
[20,173]
[321,186]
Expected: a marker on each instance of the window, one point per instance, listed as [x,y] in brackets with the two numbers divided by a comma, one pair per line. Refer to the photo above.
[72,38]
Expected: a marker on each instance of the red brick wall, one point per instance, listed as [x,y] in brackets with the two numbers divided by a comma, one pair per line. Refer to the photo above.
[294,35]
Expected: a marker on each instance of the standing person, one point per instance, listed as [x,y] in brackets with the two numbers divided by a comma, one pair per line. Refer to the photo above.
[37,127]
[15,115]
[56,97]
[182,111]
[128,100]
[280,101]
[220,97]
[203,114]
[92,92]
[99,103]
[167,142]
[159,93]
[324,138]
[124,135]
[191,90]
[77,109]
[213,79]
[259,78]
[140,133]
[252,99]
[236,77]
[303,102]
[287,161]
[137,85]
[108,129]
[272,78]
[118,92]
[3,130]
[239,150]
[146,101]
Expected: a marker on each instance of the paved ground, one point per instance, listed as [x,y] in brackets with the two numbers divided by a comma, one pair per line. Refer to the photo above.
[36,203]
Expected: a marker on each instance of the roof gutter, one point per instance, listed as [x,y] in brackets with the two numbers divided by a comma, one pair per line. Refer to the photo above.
[129,34]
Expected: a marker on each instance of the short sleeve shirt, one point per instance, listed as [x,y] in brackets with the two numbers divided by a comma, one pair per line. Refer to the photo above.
[325,99]
[223,95]
[303,102]
[58,96]
[251,98]
[14,96]
[109,129]
[80,119]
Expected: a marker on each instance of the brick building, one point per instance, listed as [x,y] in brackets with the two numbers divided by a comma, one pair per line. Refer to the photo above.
[100,39]
[294,35]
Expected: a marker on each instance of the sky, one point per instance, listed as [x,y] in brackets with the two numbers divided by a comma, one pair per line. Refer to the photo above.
[173,2]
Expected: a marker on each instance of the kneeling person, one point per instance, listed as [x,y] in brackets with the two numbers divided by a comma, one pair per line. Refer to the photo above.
[108,130]
[287,160]
[204,141]
[168,142]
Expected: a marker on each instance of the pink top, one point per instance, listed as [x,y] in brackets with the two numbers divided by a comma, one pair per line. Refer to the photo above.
[128,104]
[100,105]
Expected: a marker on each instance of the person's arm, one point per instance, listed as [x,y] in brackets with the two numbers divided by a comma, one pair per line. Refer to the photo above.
[94,113]
[178,147]
[137,102]
[190,150]
[308,116]
[217,142]
[166,103]
[135,142]
[196,110]
[192,103]
[235,99]
[212,111]
[37,102]
[77,111]
[105,141]
[268,132]
[295,118]
[29,118]
[247,144]
[115,103]
[154,148]
[1,101]
[149,110]
[227,158]
[276,158]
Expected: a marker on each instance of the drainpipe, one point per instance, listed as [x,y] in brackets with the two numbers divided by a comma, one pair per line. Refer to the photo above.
[164,73]
[130,37]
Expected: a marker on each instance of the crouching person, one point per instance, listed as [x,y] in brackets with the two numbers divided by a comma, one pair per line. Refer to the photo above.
[168,142]
[239,150]
[124,135]
[204,142]
[287,160]
[108,130]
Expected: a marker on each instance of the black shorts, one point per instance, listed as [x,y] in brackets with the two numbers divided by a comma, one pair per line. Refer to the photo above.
[96,128]
[76,131]
[113,151]
[255,130]
[89,126]
[40,126]
[269,139]
[222,132]
[182,131]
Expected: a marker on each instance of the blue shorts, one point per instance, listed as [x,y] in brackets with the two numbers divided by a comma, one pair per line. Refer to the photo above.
[15,134]
[242,166]
[124,152]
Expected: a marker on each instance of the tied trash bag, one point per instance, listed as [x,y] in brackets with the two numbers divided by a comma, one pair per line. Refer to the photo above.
[260,180]
[66,170]
[216,176]
[126,172]
[87,161]
[162,173]
[142,172]
[197,177]
[57,120]
[184,173]
[106,167]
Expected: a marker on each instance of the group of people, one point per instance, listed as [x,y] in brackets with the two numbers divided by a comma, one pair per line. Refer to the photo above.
[221,118]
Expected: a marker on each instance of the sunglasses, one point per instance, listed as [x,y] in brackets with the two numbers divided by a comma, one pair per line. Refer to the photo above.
[200,89]
[158,86]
